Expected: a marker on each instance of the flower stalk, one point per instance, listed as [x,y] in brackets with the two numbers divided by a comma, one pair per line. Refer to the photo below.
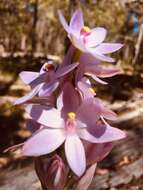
[68,122]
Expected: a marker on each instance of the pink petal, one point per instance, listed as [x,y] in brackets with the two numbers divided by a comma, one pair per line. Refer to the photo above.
[75,154]
[87,59]
[63,22]
[50,117]
[105,111]
[77,42]
[96,152]
[42,77]
[96,78]
[85,135]
[102,57]
[76,23]
[71,99]
[60,101]
[48,101]
[84,88]
[69,55]
[48,88]
[28,96]
[88,112]
[105,48]
[61,71]
[108,114]
[79,73]
[28,76]
[96,37]
[86,180]
[43,142]
[104,133]
[101,71]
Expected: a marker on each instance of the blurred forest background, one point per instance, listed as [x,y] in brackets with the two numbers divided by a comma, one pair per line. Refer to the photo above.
[30,35]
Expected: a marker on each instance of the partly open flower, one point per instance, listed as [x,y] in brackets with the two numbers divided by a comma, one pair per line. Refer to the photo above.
[69,123]
[43,83]
[88,40]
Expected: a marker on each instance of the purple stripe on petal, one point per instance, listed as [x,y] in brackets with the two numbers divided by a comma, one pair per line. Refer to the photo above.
[44,142]
[75,154]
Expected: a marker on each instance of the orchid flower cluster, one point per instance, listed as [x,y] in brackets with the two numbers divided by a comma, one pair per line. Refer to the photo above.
[70,133]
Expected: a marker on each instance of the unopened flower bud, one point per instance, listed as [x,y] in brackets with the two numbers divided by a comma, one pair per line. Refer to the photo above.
[52,172]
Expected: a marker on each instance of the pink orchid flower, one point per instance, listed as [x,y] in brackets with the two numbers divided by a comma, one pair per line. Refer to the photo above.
[43,83]
[69,123]
[88,40]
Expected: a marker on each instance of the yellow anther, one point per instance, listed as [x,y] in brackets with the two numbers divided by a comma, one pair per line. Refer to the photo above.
[92,90]
[71,115]
[85,29]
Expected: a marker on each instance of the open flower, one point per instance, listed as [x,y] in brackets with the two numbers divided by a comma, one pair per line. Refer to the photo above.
[69,123]
[43,83]
[88,40]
